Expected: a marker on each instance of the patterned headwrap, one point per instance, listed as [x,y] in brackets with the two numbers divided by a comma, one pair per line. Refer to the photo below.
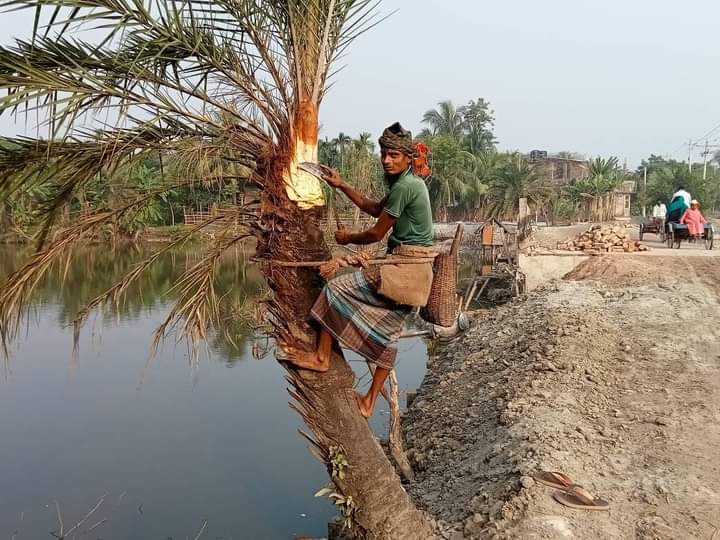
[395,137]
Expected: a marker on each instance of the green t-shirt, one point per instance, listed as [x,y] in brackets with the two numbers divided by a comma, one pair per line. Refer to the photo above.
[409,202]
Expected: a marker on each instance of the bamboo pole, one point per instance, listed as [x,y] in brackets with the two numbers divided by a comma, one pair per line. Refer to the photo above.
[370,262]
[391,393]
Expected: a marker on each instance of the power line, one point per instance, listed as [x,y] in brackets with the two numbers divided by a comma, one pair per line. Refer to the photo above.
[697,141]
[674,152]
[708,133]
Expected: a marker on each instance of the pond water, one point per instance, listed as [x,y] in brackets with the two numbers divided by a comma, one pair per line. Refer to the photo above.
[173,446]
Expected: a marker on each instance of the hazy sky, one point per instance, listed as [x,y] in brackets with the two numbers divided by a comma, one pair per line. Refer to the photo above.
[610,77]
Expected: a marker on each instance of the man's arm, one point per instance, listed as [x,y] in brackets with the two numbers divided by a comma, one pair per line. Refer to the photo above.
[369,206]
[369,236]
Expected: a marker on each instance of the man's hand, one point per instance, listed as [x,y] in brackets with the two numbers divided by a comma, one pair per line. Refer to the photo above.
[361,259]
[342,236]
[328,269]
[332,177]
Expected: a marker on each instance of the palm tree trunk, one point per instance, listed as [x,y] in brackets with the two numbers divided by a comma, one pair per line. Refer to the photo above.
[382,508]
[326,401]
[597,208]
[607,206]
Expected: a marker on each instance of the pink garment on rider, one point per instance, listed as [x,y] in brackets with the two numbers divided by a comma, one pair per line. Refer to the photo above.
[694,220]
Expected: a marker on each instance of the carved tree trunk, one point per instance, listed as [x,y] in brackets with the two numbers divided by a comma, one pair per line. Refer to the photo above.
[383,509]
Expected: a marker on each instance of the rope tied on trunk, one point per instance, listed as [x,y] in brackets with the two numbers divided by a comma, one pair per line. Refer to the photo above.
[331,266]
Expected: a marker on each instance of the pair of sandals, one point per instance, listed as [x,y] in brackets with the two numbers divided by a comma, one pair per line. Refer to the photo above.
[569,493]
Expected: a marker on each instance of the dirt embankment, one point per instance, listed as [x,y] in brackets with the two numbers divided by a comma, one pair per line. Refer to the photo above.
[613,379]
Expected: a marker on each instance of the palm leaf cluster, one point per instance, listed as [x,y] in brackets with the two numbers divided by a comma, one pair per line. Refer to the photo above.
[515,178]
[471,180]
[593,195]
[225,89]
[472,124]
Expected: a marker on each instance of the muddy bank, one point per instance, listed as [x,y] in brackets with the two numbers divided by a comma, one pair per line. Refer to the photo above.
[608,380]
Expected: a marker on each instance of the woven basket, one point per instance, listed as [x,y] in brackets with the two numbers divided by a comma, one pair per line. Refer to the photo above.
[442,306]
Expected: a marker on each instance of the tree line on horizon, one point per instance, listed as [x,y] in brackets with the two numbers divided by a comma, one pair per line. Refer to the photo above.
[470,180]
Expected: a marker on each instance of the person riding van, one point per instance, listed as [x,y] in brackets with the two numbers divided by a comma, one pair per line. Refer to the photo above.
[694,219]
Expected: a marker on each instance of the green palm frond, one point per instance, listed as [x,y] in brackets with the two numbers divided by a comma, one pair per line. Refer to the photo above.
[216,86]
[445,120]
[514,179]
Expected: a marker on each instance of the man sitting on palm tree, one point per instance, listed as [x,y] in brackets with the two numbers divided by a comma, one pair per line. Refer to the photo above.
[364,310]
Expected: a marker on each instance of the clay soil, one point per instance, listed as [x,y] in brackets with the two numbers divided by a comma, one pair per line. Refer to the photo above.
[611,376]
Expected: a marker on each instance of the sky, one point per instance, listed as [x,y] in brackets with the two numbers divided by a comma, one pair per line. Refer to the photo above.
[600,77]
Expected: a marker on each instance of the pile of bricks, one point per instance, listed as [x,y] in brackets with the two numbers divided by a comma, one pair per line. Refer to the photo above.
[603,239]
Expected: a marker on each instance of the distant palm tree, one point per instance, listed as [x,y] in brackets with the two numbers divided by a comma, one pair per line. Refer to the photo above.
[604,177]
[328,153]
[445,120]
[603,167]
[512,181]
[340,142]
[365,142]
[476,184]
[452,171]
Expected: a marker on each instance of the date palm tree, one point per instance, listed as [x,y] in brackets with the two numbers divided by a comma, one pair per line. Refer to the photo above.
[604,177]
[226,89]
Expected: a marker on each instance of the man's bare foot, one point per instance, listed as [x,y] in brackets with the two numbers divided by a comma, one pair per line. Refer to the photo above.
[365,406]
[304,359]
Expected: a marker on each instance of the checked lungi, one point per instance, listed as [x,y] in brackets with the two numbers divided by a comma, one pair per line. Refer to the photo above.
[362,320]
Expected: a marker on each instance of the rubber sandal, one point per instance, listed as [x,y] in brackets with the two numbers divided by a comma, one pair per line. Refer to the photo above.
[553,479]
[579,498]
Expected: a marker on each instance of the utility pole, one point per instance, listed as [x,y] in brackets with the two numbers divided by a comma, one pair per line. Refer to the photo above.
[644,191]
[705,153]
[690,147]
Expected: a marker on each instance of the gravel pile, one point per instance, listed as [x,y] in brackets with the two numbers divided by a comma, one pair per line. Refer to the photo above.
[491,409]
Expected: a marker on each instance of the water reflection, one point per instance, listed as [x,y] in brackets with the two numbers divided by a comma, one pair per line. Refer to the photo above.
[71,284]
[183,445]
[172,446]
